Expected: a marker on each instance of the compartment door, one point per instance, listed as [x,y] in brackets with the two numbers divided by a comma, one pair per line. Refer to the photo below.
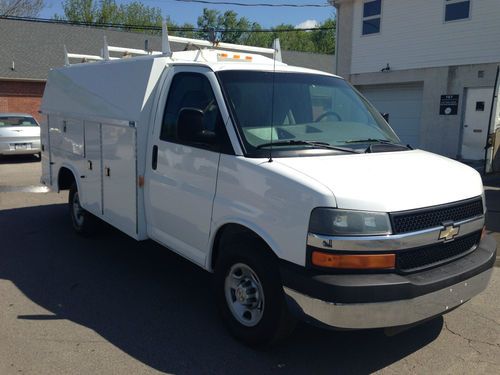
[91,183]
[46,152]
[119,177]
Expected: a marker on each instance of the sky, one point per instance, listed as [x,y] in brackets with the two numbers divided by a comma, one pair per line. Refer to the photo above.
[181,12]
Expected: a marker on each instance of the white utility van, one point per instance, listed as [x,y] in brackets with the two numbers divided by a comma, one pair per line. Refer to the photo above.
[284,182]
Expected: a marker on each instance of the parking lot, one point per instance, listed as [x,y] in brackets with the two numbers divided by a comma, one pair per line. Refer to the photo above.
[111,305]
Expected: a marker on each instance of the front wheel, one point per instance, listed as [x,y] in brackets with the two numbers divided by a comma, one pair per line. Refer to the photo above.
[83,221]
[250,296]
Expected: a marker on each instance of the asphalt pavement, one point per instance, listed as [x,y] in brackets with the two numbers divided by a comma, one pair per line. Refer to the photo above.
[111,305]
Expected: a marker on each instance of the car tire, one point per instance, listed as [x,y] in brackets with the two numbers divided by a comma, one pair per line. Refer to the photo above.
[249,294]
[84,223]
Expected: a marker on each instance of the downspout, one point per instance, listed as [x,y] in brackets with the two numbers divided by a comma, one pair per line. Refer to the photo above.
[337,6]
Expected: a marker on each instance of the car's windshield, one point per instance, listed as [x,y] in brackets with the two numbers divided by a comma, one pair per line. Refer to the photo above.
[303,107]
[17,121]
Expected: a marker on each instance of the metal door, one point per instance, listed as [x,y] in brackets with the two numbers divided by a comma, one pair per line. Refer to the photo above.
[182,178]
[119,177]
[403,103]
[476,121]
[46,151]
[91,194]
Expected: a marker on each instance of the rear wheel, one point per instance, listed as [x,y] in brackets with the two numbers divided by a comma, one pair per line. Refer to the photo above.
[83,221]
[249,293]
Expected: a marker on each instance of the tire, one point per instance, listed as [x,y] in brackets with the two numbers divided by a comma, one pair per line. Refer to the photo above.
[253,306]
[84,223]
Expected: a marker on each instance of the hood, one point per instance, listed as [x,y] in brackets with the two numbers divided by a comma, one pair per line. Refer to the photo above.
[390,181]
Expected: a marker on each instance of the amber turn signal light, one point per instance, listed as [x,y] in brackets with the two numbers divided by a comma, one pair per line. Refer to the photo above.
[362,262]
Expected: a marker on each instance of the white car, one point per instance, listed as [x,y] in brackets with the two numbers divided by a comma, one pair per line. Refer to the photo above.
[19,134]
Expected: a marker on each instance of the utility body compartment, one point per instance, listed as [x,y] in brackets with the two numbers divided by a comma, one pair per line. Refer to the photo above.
[97,116]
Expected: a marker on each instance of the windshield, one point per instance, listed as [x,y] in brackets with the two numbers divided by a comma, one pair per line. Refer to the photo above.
[306,107]
[17,121]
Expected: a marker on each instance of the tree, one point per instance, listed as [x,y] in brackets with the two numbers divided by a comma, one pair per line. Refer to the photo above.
[233,29]
[21,8]
[212,24]
[226,25]
[80,11]
[324,40]
[108,11]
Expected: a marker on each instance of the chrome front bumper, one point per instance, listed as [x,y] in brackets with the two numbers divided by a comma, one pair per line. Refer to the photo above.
[391,313]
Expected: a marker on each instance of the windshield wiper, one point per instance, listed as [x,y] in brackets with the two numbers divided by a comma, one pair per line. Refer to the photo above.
[294,142]
[379,145]
[371,140]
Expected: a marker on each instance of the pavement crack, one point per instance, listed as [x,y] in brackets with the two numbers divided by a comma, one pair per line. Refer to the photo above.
[469,340]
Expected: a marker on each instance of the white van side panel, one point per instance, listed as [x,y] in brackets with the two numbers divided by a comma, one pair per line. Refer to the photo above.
[276,205]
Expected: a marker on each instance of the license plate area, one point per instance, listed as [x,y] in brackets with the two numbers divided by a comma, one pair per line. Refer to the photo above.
[22,146]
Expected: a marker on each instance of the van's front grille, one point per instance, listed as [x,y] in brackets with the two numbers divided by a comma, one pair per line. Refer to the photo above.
[428,256]
[431,217]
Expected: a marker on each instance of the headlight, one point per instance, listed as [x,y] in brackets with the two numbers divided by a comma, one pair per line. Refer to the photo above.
[335,222]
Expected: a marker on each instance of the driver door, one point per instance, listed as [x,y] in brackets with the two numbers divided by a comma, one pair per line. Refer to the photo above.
[182,175]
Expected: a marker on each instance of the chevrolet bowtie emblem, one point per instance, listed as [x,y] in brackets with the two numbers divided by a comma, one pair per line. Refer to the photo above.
[448,233]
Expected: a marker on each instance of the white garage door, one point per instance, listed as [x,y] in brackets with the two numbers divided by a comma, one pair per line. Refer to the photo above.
[404,105]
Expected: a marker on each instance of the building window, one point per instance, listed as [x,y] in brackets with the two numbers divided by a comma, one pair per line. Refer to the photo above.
[372,10]
[456,10]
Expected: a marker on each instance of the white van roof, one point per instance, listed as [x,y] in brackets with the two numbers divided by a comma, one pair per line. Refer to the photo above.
[123,88]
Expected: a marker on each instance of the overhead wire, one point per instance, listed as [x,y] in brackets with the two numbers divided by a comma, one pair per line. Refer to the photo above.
[279,5]
[158,28]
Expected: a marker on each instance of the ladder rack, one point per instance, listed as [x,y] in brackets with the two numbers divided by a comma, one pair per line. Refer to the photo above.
[167,51]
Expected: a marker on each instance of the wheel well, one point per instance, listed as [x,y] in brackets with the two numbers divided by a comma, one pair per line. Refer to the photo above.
[229,231]
[65,179]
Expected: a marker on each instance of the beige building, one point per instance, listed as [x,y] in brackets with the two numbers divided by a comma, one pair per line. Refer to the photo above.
[430,64]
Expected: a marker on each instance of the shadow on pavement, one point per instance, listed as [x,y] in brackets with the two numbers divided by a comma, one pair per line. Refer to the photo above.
[493,212]
[158,308]
[19,159]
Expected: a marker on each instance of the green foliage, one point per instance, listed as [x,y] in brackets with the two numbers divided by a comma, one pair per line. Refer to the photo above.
[108,11]
[230,28]
[228,25]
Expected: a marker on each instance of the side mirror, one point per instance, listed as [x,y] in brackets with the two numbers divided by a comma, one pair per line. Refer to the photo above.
[385,116]
[190,127]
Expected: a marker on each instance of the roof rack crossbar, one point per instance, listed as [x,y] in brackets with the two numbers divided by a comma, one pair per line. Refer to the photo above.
[206,43]
[82,56]
[132,51]
[167,51]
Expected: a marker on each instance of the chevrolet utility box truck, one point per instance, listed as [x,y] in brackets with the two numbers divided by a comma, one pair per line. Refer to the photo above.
[284,182]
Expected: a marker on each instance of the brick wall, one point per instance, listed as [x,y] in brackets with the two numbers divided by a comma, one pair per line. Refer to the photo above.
[19,96]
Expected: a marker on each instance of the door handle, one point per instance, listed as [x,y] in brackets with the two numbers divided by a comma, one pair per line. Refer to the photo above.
[89,164]
[154,158]
[107,171]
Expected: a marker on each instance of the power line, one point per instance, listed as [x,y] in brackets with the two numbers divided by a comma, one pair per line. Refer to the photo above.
[158,28]
[255,4]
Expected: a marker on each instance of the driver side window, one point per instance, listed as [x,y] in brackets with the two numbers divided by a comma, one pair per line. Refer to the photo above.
[190,90]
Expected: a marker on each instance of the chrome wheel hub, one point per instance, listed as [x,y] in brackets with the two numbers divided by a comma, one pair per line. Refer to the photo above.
[244,295]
